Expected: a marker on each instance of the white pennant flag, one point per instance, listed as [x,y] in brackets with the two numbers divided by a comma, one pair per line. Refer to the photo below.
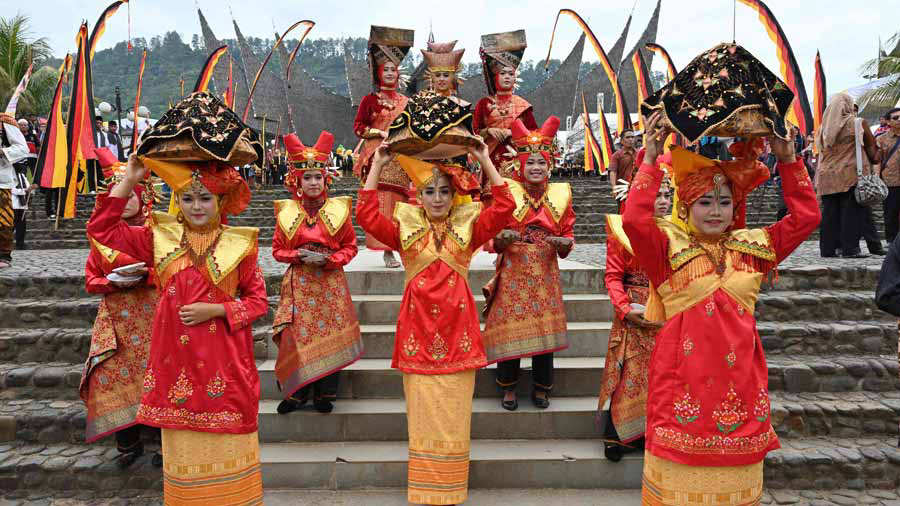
[14,100]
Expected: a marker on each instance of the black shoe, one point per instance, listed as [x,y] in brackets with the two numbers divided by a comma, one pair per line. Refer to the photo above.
[288,405]
[613,452]
[878,252]
[157,459]
[323,406]
[126,459]
[858,254]
[510,405]
[829,255]
[540,402]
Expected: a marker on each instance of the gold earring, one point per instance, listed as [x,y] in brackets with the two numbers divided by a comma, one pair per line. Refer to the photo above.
[179,217]
[682,211]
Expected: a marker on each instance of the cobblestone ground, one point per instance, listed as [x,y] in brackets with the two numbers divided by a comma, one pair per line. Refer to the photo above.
[65,261]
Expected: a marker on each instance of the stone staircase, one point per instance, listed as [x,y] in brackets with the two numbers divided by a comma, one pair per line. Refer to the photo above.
[591,197]
[833,375]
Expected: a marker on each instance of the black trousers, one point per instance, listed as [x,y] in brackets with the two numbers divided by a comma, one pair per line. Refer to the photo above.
[51,200]
[128,440]
[891,208]
[541,373]
[870,233]
[94,175]
[19,219]
[843,221]
[323,389]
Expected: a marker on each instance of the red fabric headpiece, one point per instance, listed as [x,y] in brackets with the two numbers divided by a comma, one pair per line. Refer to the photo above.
[302,159]
[536,141]
[223,180]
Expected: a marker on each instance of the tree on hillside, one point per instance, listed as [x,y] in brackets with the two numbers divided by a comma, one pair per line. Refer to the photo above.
[18,50]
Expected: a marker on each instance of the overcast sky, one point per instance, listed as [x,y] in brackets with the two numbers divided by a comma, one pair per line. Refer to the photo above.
[845,32]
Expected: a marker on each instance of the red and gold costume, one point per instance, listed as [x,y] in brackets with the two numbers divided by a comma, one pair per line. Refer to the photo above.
[624,384]
[112,380]
[315,325]
[201,385]
[501,107]
[438,344]
[708,424]
[376,113]
[526,316]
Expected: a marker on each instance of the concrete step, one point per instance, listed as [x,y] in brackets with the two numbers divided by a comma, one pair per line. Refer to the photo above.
[512,464]
[373,378]
[831,414]
[816,463]
[816,373]
[366,275]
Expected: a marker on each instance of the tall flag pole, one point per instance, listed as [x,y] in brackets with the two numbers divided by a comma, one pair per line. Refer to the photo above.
[661,51]
[591,149]
[229,91]
[800,113]
[820,94]
[100,27]
[206,72]
[50,170]
[623,118]
[309,24]
[79,127]
[137,102]
[642,76]
[602,150]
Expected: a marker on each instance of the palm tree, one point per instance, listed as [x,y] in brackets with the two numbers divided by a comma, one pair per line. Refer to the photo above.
[18,50]
[887,65]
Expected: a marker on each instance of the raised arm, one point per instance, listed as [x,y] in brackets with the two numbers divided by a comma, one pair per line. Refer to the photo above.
[367,214]
[647,240]
[799,196]
[108,228]
[495,217]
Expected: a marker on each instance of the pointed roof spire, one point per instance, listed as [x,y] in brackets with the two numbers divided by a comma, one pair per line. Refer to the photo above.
[430,32]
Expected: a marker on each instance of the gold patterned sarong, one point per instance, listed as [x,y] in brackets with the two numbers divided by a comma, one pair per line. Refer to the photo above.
[439,414]
[203,468]
[668,483]
[113,375]
[525,315]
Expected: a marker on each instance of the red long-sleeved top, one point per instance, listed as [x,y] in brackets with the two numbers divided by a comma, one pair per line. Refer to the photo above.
[342,243]
[708,401]
[437,328]
[201,377]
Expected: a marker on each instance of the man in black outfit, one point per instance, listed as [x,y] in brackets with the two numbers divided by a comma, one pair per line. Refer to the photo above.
[94,171]
[115,141]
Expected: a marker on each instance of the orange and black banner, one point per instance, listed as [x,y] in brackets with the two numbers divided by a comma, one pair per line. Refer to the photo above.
[50,170]
[79,127]
[642,76]
[100,27]
[602,149]
[800,113]
[661,51]
[591,150]
[820,96]
[137,102]
[623,118]
[206,72]
[309,24]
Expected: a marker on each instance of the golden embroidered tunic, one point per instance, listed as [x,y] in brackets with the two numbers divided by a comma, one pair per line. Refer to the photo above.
[201,377]
[708,399]
[315,325]
[526,314]
[437,328]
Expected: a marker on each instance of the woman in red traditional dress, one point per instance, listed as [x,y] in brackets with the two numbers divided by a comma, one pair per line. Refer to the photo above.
[112,380]
[501,54]
[201,385]
[708,424]
[315,326]
[387,48]
[438,344]
[526,316]
[623,390]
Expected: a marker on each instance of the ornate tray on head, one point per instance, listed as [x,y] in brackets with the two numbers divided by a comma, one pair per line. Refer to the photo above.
[433,127]
[200,127]
[724,92]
